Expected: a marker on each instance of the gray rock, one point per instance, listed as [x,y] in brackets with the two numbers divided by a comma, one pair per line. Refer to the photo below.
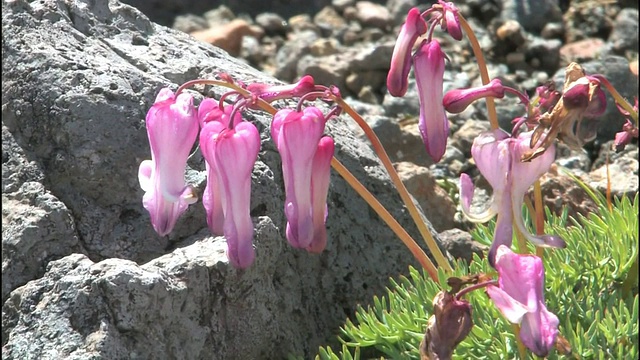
[544,54]
[435,201]
[463,138]
[371,14]
[164,11]
[340,5]
[328,18]
[402,106]
[587,20]
[290,53]
[624,35]
[78,79]
[371,57]
[533,15]
[328,70]
[189,23]
[576,160]
[272,23]
[623,170]
[562,193]
[389,132]
[399,10]
[218,16]
[460,244]
[36,228]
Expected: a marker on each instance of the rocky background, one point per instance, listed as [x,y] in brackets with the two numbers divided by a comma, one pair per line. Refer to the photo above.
[83,274]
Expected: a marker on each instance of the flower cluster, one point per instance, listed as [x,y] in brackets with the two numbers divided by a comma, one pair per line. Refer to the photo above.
[230,147]
[511,163]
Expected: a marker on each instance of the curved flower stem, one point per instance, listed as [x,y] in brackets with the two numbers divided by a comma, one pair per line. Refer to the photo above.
[417,252]
[521,349]
[618,98]
[539,214]
[482,66]
[474,287]
[441,260]
[608,193]
[522,243]
[261,103]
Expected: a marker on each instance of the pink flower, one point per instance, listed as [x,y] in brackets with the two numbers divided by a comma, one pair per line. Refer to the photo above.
[270,93]
[451,21]
[230,155]
[497,156]
[397,78]
[306,162]
[456,101]
[433,123]
[210,111]
[624,137]
[520,298]
[172,127]
[587,95]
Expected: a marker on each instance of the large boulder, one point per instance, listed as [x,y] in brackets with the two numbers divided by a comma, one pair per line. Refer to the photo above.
[84,274]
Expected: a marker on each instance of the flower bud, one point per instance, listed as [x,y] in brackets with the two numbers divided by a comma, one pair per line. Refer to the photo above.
[397,78]
[456,101]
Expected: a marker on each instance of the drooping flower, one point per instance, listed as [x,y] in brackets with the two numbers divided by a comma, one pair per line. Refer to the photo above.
[451,19]
[582,97]
[629,130]
[520,298]
[230,154]
[172,128]
[270,93]
[210,111]
[433,122]
[498,157]
[306,161]
[398,76]
[624,137]
[457,100]
[449,325]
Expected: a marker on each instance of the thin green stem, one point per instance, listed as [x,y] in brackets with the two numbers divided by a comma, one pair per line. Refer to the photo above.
[441,260]
[482,66]
[522,243]
[539,214]
[521,349]
[417,252]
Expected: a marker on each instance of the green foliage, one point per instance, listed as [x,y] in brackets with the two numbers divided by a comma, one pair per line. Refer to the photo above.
[591,285]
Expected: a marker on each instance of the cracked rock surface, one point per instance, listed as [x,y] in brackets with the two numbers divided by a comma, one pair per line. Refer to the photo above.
[85,276]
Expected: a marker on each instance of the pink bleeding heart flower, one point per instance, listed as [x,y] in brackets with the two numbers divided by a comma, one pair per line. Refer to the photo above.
[433,122]
[457,100]
[497,155]
[520,298]
[624,137]
[210,111]
[230,155]
[306,162]
[451,19]
[270,93]
[172,128]
[398,76]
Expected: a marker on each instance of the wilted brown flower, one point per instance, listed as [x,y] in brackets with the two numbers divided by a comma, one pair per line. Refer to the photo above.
[447,327]
[582,97]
